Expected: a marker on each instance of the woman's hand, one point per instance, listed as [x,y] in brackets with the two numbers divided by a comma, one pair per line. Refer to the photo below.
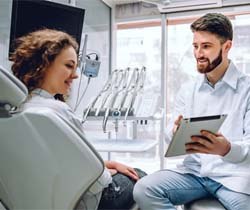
[121,168]
[209,143]
[112,172]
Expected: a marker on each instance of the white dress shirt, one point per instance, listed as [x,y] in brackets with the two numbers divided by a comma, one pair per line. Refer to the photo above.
[231,96]
[40,98]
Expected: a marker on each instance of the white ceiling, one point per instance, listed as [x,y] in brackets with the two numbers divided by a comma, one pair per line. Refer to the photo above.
[156,2]
[168,6]
[116,2]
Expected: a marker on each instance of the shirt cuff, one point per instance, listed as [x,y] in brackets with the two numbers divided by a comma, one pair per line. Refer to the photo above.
[235,154]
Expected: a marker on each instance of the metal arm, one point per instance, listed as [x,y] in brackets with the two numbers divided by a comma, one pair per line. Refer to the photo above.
[105,88]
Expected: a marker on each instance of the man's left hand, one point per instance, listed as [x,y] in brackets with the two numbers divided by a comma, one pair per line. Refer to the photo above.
[209,143]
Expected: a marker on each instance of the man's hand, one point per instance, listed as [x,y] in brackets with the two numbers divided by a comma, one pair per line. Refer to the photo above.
[209,143]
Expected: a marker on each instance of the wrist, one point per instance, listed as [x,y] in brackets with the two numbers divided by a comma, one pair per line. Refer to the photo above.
[110,164]
[228,148]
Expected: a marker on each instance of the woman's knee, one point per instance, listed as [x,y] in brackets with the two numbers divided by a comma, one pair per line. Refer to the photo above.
[140,172]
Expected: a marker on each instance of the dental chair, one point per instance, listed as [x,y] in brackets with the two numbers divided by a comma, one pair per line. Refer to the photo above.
[45,163]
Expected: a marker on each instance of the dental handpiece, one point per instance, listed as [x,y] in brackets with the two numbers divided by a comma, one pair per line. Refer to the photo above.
[108,92]
[134,92]
[112,100]
[92,104]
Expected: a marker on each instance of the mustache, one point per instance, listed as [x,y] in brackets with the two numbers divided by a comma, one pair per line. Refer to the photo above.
[202,58]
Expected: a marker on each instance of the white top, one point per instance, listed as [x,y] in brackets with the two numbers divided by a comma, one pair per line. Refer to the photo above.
[41,98]
[231,96]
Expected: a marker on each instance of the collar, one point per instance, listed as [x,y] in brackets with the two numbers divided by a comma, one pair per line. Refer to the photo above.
[43,93]
[230,77]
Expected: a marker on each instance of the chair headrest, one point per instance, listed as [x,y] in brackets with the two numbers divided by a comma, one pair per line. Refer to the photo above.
[12,90]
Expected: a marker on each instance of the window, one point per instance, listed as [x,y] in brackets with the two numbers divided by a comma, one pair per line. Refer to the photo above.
[137,47]
[181,63]
[142,46]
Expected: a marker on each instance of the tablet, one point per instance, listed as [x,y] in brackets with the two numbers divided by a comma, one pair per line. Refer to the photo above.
[189,127]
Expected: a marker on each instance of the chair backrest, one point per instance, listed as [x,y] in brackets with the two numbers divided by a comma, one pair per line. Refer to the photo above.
[45,162]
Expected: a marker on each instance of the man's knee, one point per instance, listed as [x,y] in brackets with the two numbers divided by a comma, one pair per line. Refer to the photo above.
[140,189]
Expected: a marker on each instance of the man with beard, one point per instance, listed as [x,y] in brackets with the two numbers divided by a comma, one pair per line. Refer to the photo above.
[217,164]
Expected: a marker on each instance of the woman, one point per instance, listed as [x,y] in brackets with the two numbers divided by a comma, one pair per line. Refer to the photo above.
[46,61]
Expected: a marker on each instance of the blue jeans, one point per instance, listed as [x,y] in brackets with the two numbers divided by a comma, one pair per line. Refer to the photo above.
[166,189]
[119,194]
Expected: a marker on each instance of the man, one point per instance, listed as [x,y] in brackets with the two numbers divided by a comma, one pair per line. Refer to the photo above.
[220,167]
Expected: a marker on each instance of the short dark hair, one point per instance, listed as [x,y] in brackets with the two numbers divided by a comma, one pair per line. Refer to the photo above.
[216,24]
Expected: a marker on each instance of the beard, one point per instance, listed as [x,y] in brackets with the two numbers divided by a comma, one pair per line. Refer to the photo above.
[203,68]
